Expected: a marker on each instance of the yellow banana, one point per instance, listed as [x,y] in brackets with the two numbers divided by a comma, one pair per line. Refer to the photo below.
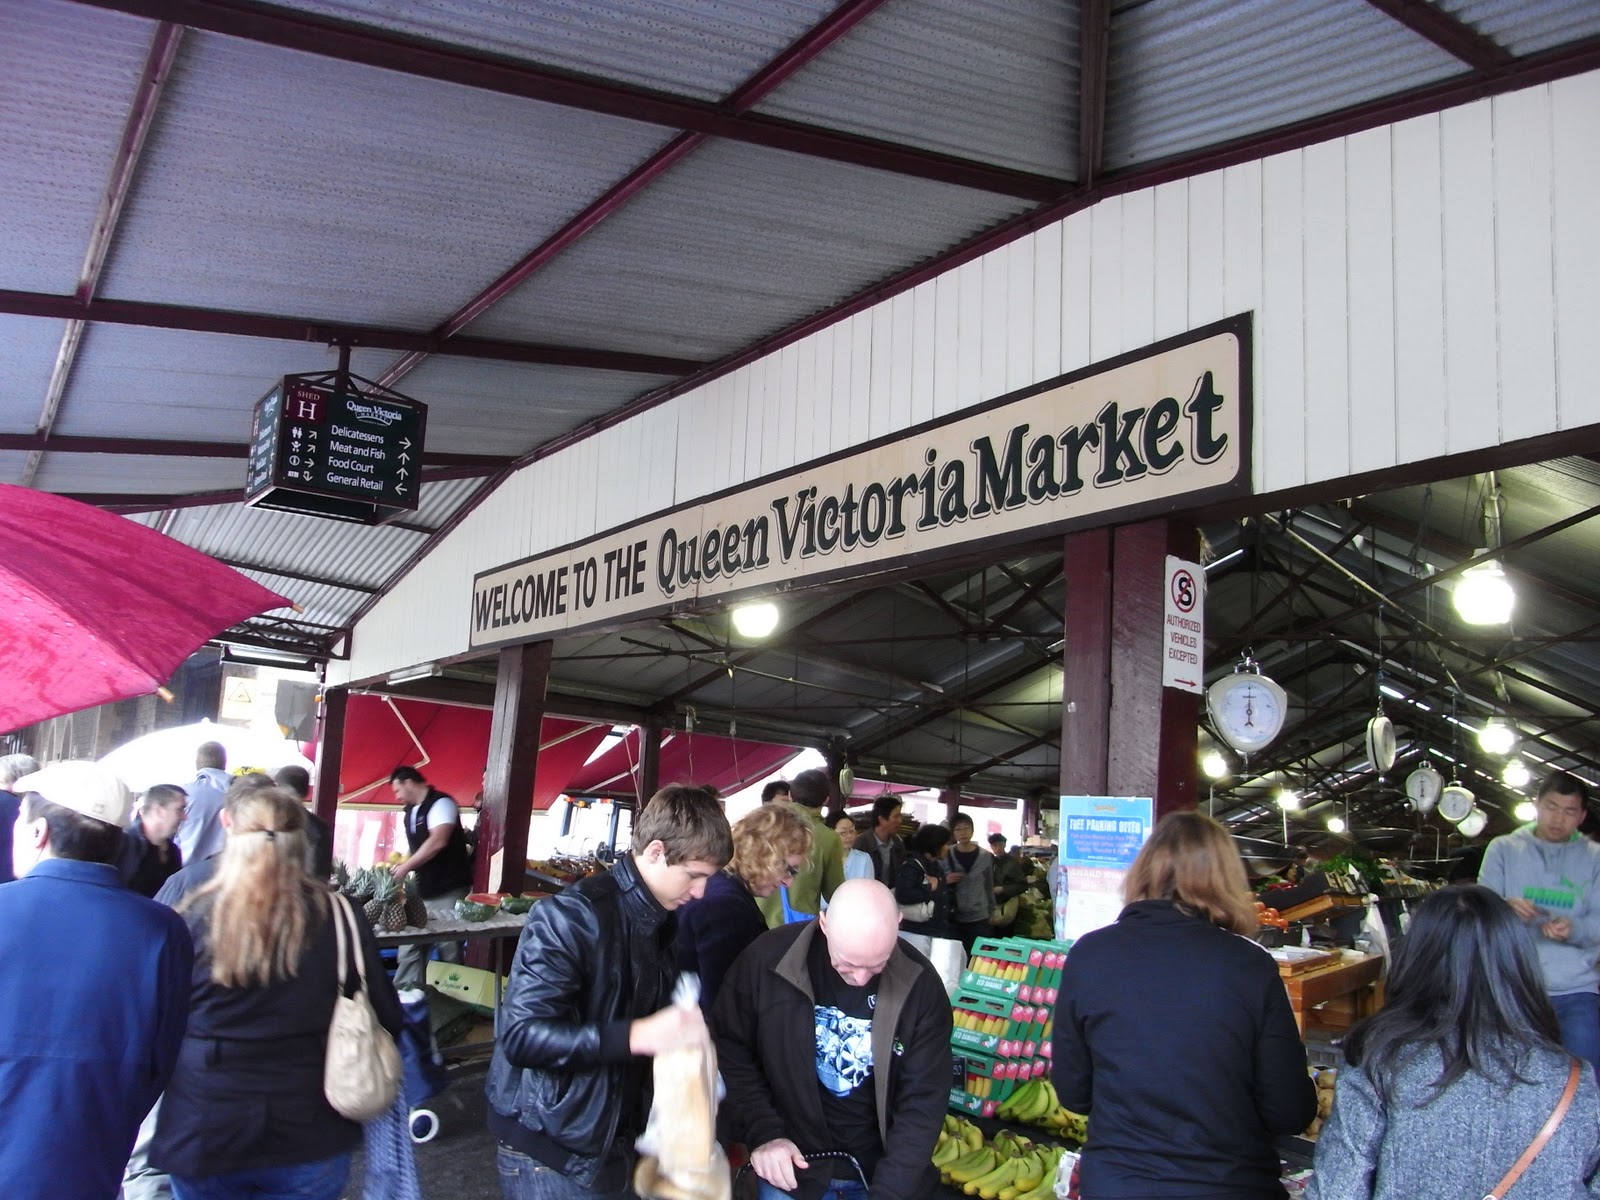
[974,1166]
[971,1135]
[948,1150]
[1018,1102]
[988,1186]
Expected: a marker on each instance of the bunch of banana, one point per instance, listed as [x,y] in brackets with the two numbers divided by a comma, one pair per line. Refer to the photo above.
[958,1137]
[1036,1103]
[1005,1169]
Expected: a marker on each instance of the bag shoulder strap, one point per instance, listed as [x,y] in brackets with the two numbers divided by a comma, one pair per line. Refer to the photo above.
[344,926]
[1543,1136]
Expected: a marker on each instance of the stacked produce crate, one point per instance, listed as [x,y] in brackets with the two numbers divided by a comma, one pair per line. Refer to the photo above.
[1004,1015]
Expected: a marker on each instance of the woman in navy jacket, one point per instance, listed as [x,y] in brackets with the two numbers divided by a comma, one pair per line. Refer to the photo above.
[1174,1034]
[770,847]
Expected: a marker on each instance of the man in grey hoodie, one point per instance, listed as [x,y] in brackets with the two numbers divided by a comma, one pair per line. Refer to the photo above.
[1549,874]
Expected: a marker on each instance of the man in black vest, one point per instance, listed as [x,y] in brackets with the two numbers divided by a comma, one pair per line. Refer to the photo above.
[439,859]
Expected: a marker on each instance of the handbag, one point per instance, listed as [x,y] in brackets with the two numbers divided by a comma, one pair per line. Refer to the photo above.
[917,912]
[362,1071]
[1005,913]
[1543,1136]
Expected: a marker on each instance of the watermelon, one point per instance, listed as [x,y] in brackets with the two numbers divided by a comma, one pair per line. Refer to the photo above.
[517,904]
[470,909]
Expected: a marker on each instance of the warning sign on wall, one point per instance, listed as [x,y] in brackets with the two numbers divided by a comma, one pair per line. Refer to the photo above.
[1183,643]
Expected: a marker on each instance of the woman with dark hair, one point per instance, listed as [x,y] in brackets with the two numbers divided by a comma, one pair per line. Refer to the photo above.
[1449,1082]
[770,847]
[1175,1035]
[920,887]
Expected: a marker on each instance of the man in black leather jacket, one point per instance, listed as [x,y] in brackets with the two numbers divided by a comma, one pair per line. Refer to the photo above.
[588,1005]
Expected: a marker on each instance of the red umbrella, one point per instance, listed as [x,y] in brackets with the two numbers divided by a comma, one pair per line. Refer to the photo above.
[99,608]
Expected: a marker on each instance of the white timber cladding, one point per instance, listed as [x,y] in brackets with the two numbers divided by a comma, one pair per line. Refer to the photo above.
[1418,290]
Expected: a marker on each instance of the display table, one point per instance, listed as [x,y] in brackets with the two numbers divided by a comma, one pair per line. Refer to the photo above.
[1354,975]
[496,930]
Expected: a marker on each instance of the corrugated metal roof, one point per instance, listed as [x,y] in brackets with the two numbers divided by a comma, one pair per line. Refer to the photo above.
[156,475]
[68,76]
[734,243]
[27,356]
[693,47]
[1528,26]
[1189,73]
[290,183]
[480,407]
[204,386]
[992,80]
[12,463]
[439,501]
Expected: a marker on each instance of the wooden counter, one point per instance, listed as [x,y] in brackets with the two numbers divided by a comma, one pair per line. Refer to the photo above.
[1356,976]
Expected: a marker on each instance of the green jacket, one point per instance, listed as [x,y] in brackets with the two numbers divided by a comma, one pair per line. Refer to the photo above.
[823,872]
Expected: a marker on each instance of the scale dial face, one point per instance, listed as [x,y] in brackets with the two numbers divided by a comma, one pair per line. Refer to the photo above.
[1455,802]
[1380,743]
[1247,710]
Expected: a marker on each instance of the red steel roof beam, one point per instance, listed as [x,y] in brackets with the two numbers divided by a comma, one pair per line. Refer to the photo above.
[141,116]
[1449,33]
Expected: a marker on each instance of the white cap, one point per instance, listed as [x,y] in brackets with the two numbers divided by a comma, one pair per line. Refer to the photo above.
[84,787]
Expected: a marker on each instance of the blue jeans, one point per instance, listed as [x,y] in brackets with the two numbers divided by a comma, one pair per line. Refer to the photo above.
[524,1178]
[839,1189]
[323,1180]
[1579,1016]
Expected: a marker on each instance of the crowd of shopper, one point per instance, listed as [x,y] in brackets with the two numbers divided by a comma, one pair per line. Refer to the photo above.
[199,1075]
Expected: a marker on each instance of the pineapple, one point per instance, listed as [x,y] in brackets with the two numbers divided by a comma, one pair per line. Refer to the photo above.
[416,910]
[361,886]
[386,910]
[341,876]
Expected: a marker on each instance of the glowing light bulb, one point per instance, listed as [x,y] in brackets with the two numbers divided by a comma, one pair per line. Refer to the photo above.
[1214,765]
[1336,825]
[756,620]
[1526,811]
[1516,774]
[1496,737]
[1483,595]
[1288,799]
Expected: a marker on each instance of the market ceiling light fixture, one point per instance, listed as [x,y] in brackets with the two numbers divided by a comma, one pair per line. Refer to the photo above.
[1516,774]
[408,674]
[756,620]
[1484,596]
[1213,764]
[1336,825]
[1288,799]
[1526,811]
[1496,737]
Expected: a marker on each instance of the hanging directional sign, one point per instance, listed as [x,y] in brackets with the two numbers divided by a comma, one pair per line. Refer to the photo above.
[335,445]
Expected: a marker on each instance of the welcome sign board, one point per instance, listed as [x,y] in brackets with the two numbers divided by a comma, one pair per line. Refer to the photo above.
[1137,435]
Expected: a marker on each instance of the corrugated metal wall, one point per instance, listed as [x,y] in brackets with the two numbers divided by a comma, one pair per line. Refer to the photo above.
[1419,290]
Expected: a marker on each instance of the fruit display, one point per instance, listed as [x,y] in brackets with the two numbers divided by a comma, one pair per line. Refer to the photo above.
[1006,1167]
[1269,918]
[1003,1015]
[1326,1079]
[1036,1103]
[518,904]
[479,906]
[386,911]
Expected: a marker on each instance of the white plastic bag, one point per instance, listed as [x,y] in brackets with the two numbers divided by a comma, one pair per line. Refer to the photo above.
[679,1158]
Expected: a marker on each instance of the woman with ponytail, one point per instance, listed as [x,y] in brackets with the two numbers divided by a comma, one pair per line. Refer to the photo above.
[245,1113]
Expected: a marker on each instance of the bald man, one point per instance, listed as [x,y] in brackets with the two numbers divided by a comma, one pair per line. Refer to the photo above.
[834,1034]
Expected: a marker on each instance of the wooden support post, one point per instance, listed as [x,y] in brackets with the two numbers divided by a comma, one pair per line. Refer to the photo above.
[649,759]
[330,752]
[1122,732]
[950,797]
[513,761]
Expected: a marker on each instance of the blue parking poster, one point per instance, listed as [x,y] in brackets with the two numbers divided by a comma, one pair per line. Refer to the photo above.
[1100,838]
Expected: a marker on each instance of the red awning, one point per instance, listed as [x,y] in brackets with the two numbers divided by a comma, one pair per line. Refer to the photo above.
[449,744]
[726,764]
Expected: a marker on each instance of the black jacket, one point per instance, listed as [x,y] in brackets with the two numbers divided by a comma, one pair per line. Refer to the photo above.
[912,887]
[766,1045]
[1177,1039]
[590,962]
[247,1092]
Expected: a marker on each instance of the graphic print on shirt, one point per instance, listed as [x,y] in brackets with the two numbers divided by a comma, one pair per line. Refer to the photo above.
[844,1050]
[1563,897]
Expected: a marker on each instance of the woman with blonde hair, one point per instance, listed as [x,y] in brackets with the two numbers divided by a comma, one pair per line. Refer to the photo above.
[245,1112]
[770,847]
[1169,1011]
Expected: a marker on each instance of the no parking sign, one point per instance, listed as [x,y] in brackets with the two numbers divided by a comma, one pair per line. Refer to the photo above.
[1183,643]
